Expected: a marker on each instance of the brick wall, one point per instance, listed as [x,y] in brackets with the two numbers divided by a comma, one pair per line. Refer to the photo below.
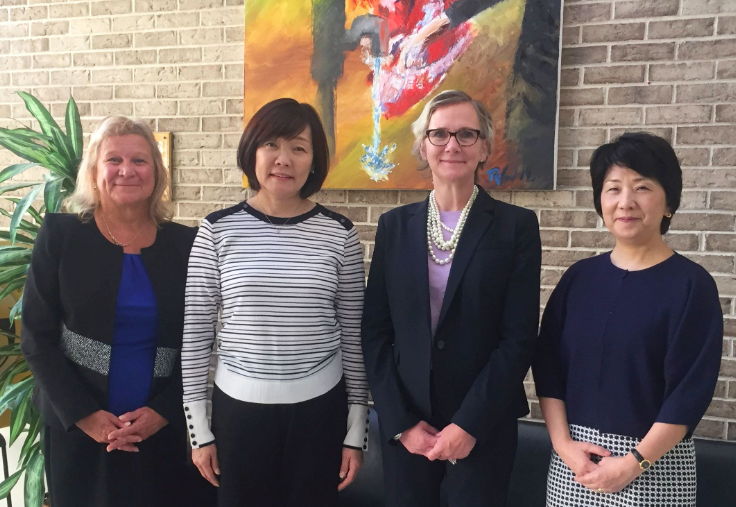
[667,66]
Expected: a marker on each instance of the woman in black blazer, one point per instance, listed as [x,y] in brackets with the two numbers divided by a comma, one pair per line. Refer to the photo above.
[450,320]
[103,311]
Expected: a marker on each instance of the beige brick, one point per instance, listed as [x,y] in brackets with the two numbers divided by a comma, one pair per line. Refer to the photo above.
[707,50]
[155,108]
[375,212]
[678,114]
[111,7]
[200,107]
[727,25]
[180,55]
[28,13]
[691,71]
[572,178]
[726,113]
[643,52]
[710,428]
[690,157]
[197,141]
[199,72]
[699,7]
[14,30]
[571,35]
[186,5]
[544,199]
[614,32]
[29,45]
[233,176]
[92,59]
[42,28]
[93,92]
[221,17]
[710,178]
[728,367]
[592,239]
[365,232]
[234,34]
[663,132]
[582,96]
[653,94]
[705,135]
[410,196]
[722,200]
[681,28]
[198,36]
[682,242]
[727,69]
[553,238]
[699,221]
[111,41]
[234,71]
[584,157]
[135,57]
[564,258]
[51,61]
[234,106]
[177,90]
[714,263]
[69,77]
[218,158]
[154,74]
[646,8]
[712,92]
[587,13]
[155,39]
[722,408]
[34,78]
[584,55]
[197,210]
[69,43]
[133,23]
[177,20]
[231,53]
[352,213]
[106,76]
[223,89]
[137,91]
[724,156]
[373,197]
[210,176]
[88,26]
[567,117]
[570,77]
[564,218]
[692,200]
[228,194]
[112,108]
[598,116]
[222,124]
[234,2]
[187,192]
[15,62]
[178,124]
[581,137]
[154,5]
[188,158]
[565,157]
[617,74]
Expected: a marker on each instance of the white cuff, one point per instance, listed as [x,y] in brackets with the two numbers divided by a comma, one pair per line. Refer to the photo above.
[198,427]
[357,427]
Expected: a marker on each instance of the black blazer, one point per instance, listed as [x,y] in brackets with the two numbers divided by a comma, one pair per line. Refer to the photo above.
[69,313]
[487,327]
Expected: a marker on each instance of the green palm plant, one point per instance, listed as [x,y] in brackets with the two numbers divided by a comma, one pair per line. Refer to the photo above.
[60,153]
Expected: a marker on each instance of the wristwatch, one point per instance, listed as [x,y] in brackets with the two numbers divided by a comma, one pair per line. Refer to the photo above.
[644,464]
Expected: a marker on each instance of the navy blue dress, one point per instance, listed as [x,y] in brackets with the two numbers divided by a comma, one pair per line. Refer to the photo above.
[624,350]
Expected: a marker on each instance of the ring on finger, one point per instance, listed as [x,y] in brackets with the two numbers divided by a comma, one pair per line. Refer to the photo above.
[599,490]
[452,461]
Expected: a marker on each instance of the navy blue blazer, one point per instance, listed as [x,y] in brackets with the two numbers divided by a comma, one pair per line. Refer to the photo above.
[484,343]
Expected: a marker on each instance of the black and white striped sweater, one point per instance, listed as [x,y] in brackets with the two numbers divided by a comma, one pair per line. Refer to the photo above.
[289,293]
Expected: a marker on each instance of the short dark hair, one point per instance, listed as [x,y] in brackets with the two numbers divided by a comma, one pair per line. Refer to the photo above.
[285,118]
[647,154]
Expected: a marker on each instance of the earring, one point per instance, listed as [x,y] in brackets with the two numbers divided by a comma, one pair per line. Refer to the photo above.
[311,172]
[668,215]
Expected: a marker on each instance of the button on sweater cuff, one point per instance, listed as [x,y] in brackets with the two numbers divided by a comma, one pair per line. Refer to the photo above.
[198,428]
[357,436]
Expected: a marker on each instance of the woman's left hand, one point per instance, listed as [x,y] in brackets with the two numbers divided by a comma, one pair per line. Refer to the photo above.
[139,425]
[611,475]
[352,460]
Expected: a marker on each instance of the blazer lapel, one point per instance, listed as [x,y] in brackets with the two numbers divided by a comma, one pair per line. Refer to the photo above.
[417,227]
[479,220]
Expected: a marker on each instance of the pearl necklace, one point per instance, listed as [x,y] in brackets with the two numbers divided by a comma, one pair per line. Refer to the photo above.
[435,225]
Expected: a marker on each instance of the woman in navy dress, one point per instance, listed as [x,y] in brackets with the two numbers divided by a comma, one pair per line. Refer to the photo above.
[103,313]
[630,345]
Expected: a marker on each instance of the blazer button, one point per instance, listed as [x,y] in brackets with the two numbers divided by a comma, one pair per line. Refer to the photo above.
[440,344]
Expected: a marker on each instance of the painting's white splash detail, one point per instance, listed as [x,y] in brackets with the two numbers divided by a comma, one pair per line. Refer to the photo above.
[375,162]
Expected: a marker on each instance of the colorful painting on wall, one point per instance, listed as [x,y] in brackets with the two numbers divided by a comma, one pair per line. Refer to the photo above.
[370,66]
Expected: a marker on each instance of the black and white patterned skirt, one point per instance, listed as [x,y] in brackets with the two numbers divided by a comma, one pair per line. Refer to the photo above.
[670,482]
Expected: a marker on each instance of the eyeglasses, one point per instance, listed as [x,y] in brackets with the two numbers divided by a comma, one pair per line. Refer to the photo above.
[464,137]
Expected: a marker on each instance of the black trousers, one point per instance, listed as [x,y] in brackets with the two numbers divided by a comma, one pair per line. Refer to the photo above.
[480,480]
[279,455]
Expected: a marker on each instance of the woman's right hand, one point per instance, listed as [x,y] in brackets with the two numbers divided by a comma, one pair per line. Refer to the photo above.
[576,455]
[205,458]
[99,425]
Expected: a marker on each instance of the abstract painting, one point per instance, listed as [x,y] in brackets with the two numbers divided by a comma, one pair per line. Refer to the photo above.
[370,66]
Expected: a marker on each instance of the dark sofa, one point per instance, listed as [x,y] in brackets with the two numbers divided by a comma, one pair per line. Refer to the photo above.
[716,462]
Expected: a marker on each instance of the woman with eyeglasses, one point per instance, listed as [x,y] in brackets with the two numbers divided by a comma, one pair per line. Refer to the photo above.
[450,320]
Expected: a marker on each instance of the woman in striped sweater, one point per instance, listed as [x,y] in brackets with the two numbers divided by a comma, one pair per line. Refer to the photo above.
[285,278]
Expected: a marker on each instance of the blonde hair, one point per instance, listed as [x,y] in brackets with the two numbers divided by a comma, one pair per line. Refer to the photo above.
[84,201]
[449,98]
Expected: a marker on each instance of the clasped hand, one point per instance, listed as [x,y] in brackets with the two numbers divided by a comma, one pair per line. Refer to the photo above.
[609,475]
[452,443]
[124,432]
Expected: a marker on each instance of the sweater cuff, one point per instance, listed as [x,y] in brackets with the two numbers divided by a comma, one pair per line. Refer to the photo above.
[198,427]
[357,436]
